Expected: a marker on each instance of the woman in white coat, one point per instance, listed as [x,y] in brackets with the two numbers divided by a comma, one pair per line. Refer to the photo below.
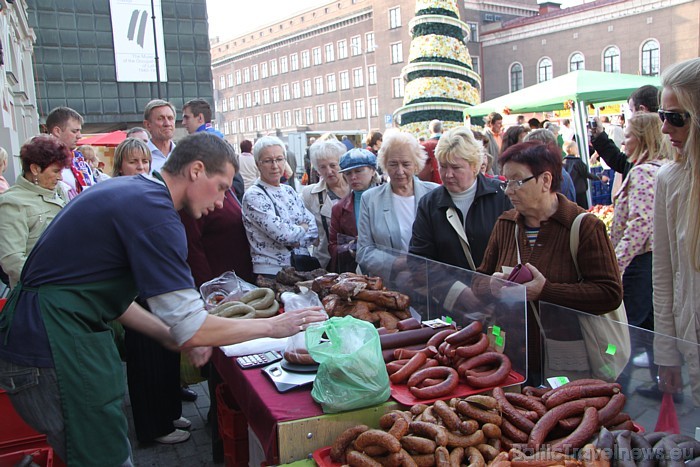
[387,211]
[676,262]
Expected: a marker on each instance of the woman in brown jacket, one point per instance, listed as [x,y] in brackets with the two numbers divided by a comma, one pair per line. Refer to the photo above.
[544,218]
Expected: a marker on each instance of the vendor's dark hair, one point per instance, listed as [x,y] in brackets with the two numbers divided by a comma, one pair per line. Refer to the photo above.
[246,145]
[213,151]
[539,157]
[648,96]
[44,150]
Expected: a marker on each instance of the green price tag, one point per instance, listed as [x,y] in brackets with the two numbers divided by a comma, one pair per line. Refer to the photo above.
[499,341]
[562,380]
[448,320]
[496,330]
[611,350]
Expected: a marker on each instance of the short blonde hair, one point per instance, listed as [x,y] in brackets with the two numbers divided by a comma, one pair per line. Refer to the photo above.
[459,143]
[3,156]
[125,148]
[88,152]
[394,139]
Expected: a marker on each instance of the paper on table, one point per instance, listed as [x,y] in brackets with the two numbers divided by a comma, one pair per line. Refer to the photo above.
[263,344]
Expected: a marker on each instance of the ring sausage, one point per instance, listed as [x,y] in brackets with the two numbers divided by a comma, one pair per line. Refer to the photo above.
[418,445]
[549,420]
[357,459]
[480,415]
[475,457]
[569,392]
[487,451]
[439,337]
[484,401]
[435,432]
[448,416]
[495,378]
[611,409]
[463,441]
[468,351]
[512,432]
[462,336]
[526,402]
[377,438]
[408,353]
[342,442]
[299,358]
[408,369]
[399,429]
[584,432]
[451,379]
[511,413]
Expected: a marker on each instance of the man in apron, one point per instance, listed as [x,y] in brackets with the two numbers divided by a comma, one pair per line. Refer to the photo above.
[58,361]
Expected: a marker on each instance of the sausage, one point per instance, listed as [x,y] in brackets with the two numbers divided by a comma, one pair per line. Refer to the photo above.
[495,378]
[406,338]
[618,419]
[626,425]
[342,442]
[529,414]
[569,392]
[451,379]
[511,413]
[408,369]
[429,351]
[624,449]
[463,441]
[549,420]
[449,417]
[377,438]
[418,409]
[439,337]
[468,351]
[473,412]
[416,444]
[579,437]
[408,324]
[611,409]
[388,420]
[476,458]
[357,459]
[424,460]
[400,428]
[435,432]
[406,459]
[512,432]
[592,457]
[233,310]
[605,440]
[487,451]
[260,299]
[428,416]
[299,358]
[456,457]
[442,457]
[526,402]
[491,430]
[641,446]
[482,400]
[535,392]
[465,334]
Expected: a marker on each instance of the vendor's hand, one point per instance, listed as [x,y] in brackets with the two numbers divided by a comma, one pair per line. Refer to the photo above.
[199,356]
[534,287]
[670,379]
[288,324]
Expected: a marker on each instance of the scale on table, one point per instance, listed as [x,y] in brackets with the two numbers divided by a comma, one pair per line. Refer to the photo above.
[287,376]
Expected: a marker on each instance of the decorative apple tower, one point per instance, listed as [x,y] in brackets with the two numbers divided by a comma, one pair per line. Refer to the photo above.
[439,80]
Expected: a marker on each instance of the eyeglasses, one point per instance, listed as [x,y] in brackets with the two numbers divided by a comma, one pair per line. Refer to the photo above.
[677,119]
[279,160]
[515,184]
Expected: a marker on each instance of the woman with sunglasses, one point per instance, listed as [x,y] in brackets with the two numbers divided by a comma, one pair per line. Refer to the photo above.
[536,234]
[676,262]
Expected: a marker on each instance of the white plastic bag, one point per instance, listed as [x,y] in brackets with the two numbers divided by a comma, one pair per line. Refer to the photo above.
[225,288]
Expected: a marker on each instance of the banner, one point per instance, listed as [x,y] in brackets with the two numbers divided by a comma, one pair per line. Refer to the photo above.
[132,33]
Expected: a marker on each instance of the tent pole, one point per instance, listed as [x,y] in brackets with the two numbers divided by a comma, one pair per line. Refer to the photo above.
[580,120]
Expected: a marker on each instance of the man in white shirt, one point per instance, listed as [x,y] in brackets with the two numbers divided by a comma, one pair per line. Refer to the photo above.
[159,120]
[247,166]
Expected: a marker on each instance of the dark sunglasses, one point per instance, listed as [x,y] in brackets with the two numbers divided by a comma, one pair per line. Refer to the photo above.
[676,119]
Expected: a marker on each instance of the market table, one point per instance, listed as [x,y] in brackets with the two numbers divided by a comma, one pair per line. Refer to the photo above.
[289,426]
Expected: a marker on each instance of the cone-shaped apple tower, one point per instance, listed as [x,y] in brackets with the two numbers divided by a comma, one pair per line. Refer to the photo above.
[439,80]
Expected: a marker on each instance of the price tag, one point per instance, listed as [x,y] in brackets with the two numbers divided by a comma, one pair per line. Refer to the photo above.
[611,350]
[499,341]
[496,330]
[436,323]
[557,381]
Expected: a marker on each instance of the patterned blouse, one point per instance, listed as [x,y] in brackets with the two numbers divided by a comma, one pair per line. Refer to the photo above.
[633,222]
[271,231]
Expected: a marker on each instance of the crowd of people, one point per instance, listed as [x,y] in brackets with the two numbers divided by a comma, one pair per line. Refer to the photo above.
[170,217]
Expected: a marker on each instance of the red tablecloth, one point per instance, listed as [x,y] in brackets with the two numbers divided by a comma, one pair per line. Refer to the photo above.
[262,405]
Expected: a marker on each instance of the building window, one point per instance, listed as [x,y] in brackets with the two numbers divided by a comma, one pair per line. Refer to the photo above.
[473,32]
[309,113]
[342,49]
[650,58]
[232,103]
[611,60]
[298,117]
[226,128]
[373,107]
[234,129]
[369,42]
[273,67]
[355,46]
[346,110]
[357,78]
[319,84]
[275,94]
[248,100]
[320,114]
[222,82]
[296,90]
[475,64]
[258,122]
[330,53]
[287,118]
[330,80]
[277,117]
[317,56]
[544,70]
[266,96]
[239,98]
[224,105]
[254,71]
[333,112]
[249,123]
[397,52]
[285,92]
[263,70]
[229,78]
[241,125]
[239,79]
[305,59]
[397,85]
[283,65]
[372,74]
[268,121]
[516,77]
[360,108]
[308,91]
[395,17]
[577,62]
[344,80]
[256,97]
[294,62]
[246,75]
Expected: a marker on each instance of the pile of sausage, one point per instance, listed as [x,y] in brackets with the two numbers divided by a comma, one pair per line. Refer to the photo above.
[289,280]
[434,370]
[442,435]
[560,419]
[258,303]
[631,449]
[362,297]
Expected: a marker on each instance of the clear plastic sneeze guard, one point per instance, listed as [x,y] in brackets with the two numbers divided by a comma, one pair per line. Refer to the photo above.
[438,290]
[570,352]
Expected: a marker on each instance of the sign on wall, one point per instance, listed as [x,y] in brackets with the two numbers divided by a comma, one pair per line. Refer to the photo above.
[132,33]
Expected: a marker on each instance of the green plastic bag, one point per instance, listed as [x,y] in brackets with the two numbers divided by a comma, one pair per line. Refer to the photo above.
[351,372]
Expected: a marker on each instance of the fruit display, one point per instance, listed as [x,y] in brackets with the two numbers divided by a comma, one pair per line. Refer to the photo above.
[604,213]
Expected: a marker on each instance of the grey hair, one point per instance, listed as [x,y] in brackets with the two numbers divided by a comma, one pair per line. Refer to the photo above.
[551,126]
[154,104]
[266,142]
[137,129]
[326,149]
[541,134]
[393,139]
[435,126]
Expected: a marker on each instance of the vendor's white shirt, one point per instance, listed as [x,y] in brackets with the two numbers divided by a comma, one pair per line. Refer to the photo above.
[405,209]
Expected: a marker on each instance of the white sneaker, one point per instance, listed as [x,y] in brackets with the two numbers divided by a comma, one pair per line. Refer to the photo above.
[641,360]
[182,423]
[177,436]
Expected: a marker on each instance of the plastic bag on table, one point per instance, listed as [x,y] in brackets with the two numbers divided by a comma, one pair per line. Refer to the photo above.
[225,288]
[352,373]
[296,351]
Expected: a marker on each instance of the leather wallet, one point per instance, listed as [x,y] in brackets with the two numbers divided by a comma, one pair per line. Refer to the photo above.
[520,274]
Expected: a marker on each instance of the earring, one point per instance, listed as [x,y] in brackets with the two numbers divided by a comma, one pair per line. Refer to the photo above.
[36,180]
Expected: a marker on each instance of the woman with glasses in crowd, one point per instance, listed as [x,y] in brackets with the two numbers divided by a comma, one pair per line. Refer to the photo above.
[536,234]
[676,262]
[275,218]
